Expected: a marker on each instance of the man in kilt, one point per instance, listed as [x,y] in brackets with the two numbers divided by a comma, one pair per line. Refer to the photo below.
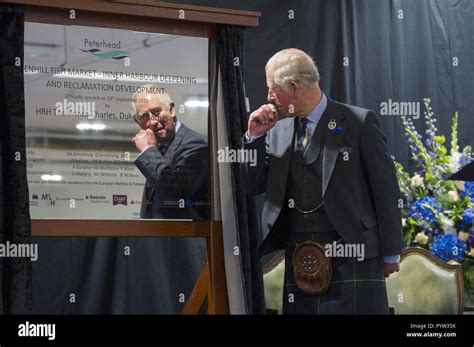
[332,200]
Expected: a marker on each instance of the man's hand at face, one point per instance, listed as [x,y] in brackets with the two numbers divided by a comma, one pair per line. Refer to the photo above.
[144,139]
[262,120]
[388,269]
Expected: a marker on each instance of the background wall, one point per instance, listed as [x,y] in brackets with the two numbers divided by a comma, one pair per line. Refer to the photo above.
[403,50]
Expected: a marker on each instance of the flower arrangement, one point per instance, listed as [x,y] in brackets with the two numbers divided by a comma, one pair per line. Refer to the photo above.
[438,214]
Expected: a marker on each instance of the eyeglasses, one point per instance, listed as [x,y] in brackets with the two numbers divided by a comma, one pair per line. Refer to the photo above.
[153,114]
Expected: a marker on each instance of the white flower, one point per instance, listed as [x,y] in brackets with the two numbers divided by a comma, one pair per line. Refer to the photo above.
[404,222]
[454,161]
[459,184]
[447,224]
[417,181]
[421,238]
[463,237]
[453,196]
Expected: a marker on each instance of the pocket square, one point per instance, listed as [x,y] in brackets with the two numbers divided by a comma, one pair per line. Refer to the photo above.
[345,149]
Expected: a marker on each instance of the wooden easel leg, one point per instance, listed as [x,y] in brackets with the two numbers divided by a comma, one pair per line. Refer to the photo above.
[211,283]
[210,294]
[217,271]
[200,292]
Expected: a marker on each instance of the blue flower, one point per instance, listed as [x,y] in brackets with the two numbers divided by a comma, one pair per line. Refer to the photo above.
[337,130]
[422,173]
[448,247]
[468,190]
[421,213]
[468,217]
[467,220]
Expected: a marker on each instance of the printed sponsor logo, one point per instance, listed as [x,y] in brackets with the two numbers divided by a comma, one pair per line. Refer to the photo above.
[119,200]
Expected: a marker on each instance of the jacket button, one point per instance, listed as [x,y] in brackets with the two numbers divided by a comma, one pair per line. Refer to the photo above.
[269,226]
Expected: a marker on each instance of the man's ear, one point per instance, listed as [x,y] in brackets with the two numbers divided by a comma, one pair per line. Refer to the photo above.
[172,109]
[296,87]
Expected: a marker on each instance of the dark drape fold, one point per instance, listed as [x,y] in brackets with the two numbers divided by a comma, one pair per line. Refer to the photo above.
[15,227]
[371,51]
[81,275]
[231,62]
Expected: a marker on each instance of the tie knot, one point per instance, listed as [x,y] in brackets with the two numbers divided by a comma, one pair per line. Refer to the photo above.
[162,149]
[302,125]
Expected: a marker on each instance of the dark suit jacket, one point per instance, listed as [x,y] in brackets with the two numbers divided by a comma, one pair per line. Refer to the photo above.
[360,194]
[181,173]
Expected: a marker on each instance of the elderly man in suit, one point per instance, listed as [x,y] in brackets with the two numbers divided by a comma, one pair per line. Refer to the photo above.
[173,158]
[175,162]
[329,181]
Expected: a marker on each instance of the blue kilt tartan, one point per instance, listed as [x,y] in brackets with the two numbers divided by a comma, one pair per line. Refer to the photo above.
[357,287]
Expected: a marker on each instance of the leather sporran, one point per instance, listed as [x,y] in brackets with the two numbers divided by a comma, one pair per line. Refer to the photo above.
[312,270]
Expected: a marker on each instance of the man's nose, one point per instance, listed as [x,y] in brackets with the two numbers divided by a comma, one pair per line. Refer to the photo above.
[153,121]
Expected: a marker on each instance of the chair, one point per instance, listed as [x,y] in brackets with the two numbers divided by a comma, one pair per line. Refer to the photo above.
[273,277]
[425,284]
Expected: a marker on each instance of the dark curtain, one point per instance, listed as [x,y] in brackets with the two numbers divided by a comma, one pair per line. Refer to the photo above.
[229,45]
[75,275]
[15,227]
[126,275]
[404,56]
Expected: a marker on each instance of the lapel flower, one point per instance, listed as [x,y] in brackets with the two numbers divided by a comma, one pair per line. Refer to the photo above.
[337,130]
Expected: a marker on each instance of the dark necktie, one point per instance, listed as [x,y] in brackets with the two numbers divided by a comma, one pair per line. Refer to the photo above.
[162,149]
[302,134]
[164,146]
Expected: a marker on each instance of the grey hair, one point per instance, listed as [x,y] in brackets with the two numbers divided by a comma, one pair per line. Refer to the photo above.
[151,88]
[292,64]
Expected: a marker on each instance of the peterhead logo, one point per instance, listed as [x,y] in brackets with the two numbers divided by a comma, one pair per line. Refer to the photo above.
[119,200]
[104,49]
